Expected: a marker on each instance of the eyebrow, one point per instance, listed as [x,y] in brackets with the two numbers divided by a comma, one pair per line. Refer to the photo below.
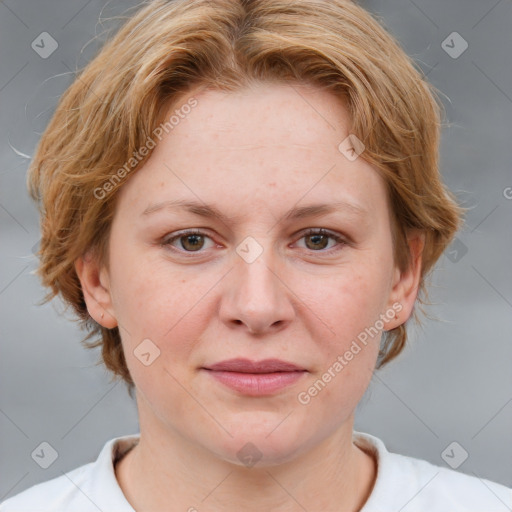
[210,211]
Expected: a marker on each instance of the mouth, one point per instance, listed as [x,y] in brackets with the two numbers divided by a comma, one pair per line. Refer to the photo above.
[255,378]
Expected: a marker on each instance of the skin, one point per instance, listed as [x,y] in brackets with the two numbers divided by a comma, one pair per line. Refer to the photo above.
[254,154]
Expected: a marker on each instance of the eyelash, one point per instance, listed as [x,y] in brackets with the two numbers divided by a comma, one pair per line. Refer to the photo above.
[309,232]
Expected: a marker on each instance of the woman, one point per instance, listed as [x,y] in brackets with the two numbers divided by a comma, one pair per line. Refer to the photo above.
[242,199]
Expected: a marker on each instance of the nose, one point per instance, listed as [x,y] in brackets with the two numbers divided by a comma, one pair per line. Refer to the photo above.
[256,297]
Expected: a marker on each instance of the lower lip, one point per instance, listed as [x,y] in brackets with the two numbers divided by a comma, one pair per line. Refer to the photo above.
[257,384]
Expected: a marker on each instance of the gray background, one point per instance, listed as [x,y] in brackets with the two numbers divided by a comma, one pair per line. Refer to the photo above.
[454,380]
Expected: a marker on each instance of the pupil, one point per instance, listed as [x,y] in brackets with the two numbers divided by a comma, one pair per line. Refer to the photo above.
[314,237]
[194,245]
[196,242]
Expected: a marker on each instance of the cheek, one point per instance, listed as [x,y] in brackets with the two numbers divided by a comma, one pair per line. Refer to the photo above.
[353,299]
[351,305]
[153,303]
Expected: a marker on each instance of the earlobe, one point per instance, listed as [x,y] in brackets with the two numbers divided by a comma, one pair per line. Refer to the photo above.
[96,289]
[406,283]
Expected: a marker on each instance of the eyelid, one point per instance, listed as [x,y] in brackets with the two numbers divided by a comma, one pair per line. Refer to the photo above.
[171,237]
[338,237]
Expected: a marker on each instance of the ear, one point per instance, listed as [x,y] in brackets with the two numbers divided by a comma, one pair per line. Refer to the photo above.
[405,284]
[96,289]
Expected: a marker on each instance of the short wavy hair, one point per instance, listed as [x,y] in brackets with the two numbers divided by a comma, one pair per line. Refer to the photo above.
[169,47]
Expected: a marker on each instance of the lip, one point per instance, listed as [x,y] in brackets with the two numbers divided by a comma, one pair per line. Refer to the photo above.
[242,365]
[256,378]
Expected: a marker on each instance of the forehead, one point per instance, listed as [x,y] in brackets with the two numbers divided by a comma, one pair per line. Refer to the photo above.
[267,113]
[261,145]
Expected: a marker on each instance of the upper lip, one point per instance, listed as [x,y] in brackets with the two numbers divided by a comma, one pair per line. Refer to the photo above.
[247,366]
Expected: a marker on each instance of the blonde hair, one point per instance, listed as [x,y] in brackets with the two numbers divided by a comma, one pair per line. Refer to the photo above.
[168,47]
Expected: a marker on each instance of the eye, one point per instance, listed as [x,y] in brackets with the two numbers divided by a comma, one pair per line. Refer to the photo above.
[189,241]
[193,240]
[318,239]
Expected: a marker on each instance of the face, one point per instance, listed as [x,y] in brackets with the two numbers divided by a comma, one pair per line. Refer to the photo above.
[268,278]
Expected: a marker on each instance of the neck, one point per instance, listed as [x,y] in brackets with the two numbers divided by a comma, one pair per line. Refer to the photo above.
[334,475]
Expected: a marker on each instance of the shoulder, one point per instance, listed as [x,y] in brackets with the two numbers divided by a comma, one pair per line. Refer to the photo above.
[60,493]
[88,488]
[413,485]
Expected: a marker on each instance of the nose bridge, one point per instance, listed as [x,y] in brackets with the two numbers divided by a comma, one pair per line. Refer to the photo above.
[258,298]
[256,282]
[255,276]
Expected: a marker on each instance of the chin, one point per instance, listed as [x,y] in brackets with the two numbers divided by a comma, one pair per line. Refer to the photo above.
[260,439]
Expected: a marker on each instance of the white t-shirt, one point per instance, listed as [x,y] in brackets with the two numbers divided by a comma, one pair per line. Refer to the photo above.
[403,484]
